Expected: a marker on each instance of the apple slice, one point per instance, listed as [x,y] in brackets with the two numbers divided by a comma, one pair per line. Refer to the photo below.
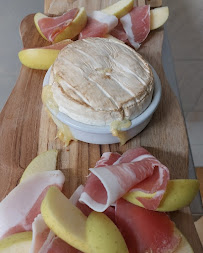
[184,246]
[103,236]
[64,219]
[120,8]
[46,161]
[69,32]
[158,17]
[179,193]
[41,58]
[18,243]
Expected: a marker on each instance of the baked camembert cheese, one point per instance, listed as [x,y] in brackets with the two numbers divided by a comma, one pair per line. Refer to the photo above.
[97,81]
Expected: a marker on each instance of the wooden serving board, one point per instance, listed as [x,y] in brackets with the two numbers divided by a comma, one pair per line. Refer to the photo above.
[26,130]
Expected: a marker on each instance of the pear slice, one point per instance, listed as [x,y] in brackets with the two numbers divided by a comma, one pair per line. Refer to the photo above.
[46,161]
[179,193]
[64,219]
[184,246]
[120,8]
[72,30]
[41,58]
[18,243]
[158,17]
[103,236]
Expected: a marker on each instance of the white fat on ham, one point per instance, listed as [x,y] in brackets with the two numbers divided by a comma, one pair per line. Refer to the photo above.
[136,24]
[22,204]
[136,169]
[126,21]
[76,195]
[102,17]
[98,25]
[41,235]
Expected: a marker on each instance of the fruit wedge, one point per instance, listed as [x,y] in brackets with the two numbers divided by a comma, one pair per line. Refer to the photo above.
[158,17]
[184,246]
[120,8]
[179,193]
[44,162]
[18,243]
[103,236]
[72,30]
[64,219]
[41,58]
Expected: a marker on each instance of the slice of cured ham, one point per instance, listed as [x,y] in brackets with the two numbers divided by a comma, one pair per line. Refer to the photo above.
[119,33]
[107,184]
[107,158]
[156,185]
[98,25]
[145,230]
[51,27]
[22,205]
[110,211]
[134,27]
[45,241]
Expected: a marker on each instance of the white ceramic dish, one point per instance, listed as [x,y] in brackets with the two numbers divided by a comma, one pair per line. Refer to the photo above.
[102,135]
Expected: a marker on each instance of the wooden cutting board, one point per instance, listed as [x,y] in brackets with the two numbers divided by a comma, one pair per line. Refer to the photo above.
[26,130]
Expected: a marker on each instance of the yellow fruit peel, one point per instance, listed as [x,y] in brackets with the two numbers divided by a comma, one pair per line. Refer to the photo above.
[64,219]
[179,193]
[103,236]
[75,27]
[18,243]
[120,8]
[37,17]
[184,246]
[158,16]
[46,161]
[38,58]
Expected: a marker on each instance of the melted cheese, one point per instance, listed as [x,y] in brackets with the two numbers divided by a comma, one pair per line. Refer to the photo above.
[64,132]
[116,130]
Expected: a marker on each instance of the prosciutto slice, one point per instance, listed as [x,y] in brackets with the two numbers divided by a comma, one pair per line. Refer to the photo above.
[107,184]
[156,185]
[22,204]
[45,241]
[119,33]
[52,26]
[108,158]
[98,25]
[145,230]
[134,27]
[110,211]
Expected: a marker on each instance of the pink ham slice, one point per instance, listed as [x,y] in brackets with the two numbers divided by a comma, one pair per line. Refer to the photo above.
[107,184]
[98,25]
[52,26]
[145,230]
[110,211]
[108,158]
[22,204]
[45,241]
[156,184]
[119,33]
[134,27]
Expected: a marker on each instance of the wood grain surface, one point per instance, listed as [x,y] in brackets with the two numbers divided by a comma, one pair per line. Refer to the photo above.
[26,130]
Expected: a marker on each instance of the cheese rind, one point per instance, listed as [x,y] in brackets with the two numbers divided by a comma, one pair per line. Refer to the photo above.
[96,81]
